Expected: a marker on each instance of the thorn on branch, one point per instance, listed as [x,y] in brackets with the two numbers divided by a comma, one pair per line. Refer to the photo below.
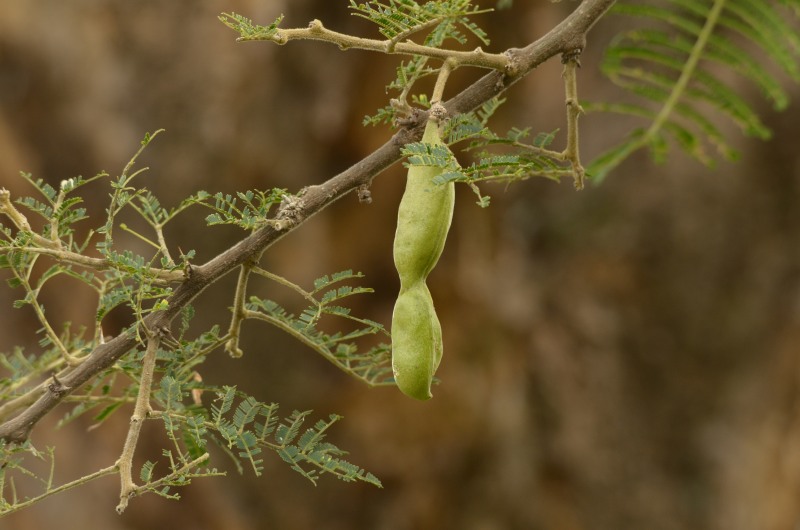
[57,388]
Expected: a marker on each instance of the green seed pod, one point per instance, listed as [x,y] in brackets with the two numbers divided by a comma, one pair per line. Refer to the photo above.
[423,220]
[416,341]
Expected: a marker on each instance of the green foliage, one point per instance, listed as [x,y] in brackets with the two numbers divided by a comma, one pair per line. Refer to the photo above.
[247,30]
[673,67]
[399,19]
[124,280]
[249,427]
[340,348]
[16,469]
[253,426]
[521,160]
[251,214]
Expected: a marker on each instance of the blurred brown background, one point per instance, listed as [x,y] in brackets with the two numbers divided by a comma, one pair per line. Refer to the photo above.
[621,358]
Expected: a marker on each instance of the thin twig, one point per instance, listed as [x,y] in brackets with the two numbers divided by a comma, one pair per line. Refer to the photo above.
[238,312]
[110,470]
[574,111]
[441,80]
[316,31]
[69,357]
[99,264]
[140,411]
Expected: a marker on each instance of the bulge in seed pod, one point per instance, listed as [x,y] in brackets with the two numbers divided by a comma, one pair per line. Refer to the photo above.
[416,341]
[423,218]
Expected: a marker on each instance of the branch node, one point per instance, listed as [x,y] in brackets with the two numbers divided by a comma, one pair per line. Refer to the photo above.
[233,349]
[164,332]
[364,195]
[289,212]
[438,112]
[279,38]
[7,208]
[513,66]
[572,56]
[413,119]
[315,26]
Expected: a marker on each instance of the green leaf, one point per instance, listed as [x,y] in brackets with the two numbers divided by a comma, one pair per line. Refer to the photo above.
[107,411]
[247,30]
[399,19]
[146,474]
[676,64]
[287,431]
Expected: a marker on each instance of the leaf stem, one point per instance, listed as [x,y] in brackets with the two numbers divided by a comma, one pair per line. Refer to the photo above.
[686,75]
[283,281]
[110,470]
[319,348]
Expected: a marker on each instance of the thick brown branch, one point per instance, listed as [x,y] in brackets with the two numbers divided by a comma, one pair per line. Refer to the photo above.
[568,36]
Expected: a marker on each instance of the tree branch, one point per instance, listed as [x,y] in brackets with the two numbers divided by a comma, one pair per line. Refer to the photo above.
[316,31]
[567,37]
